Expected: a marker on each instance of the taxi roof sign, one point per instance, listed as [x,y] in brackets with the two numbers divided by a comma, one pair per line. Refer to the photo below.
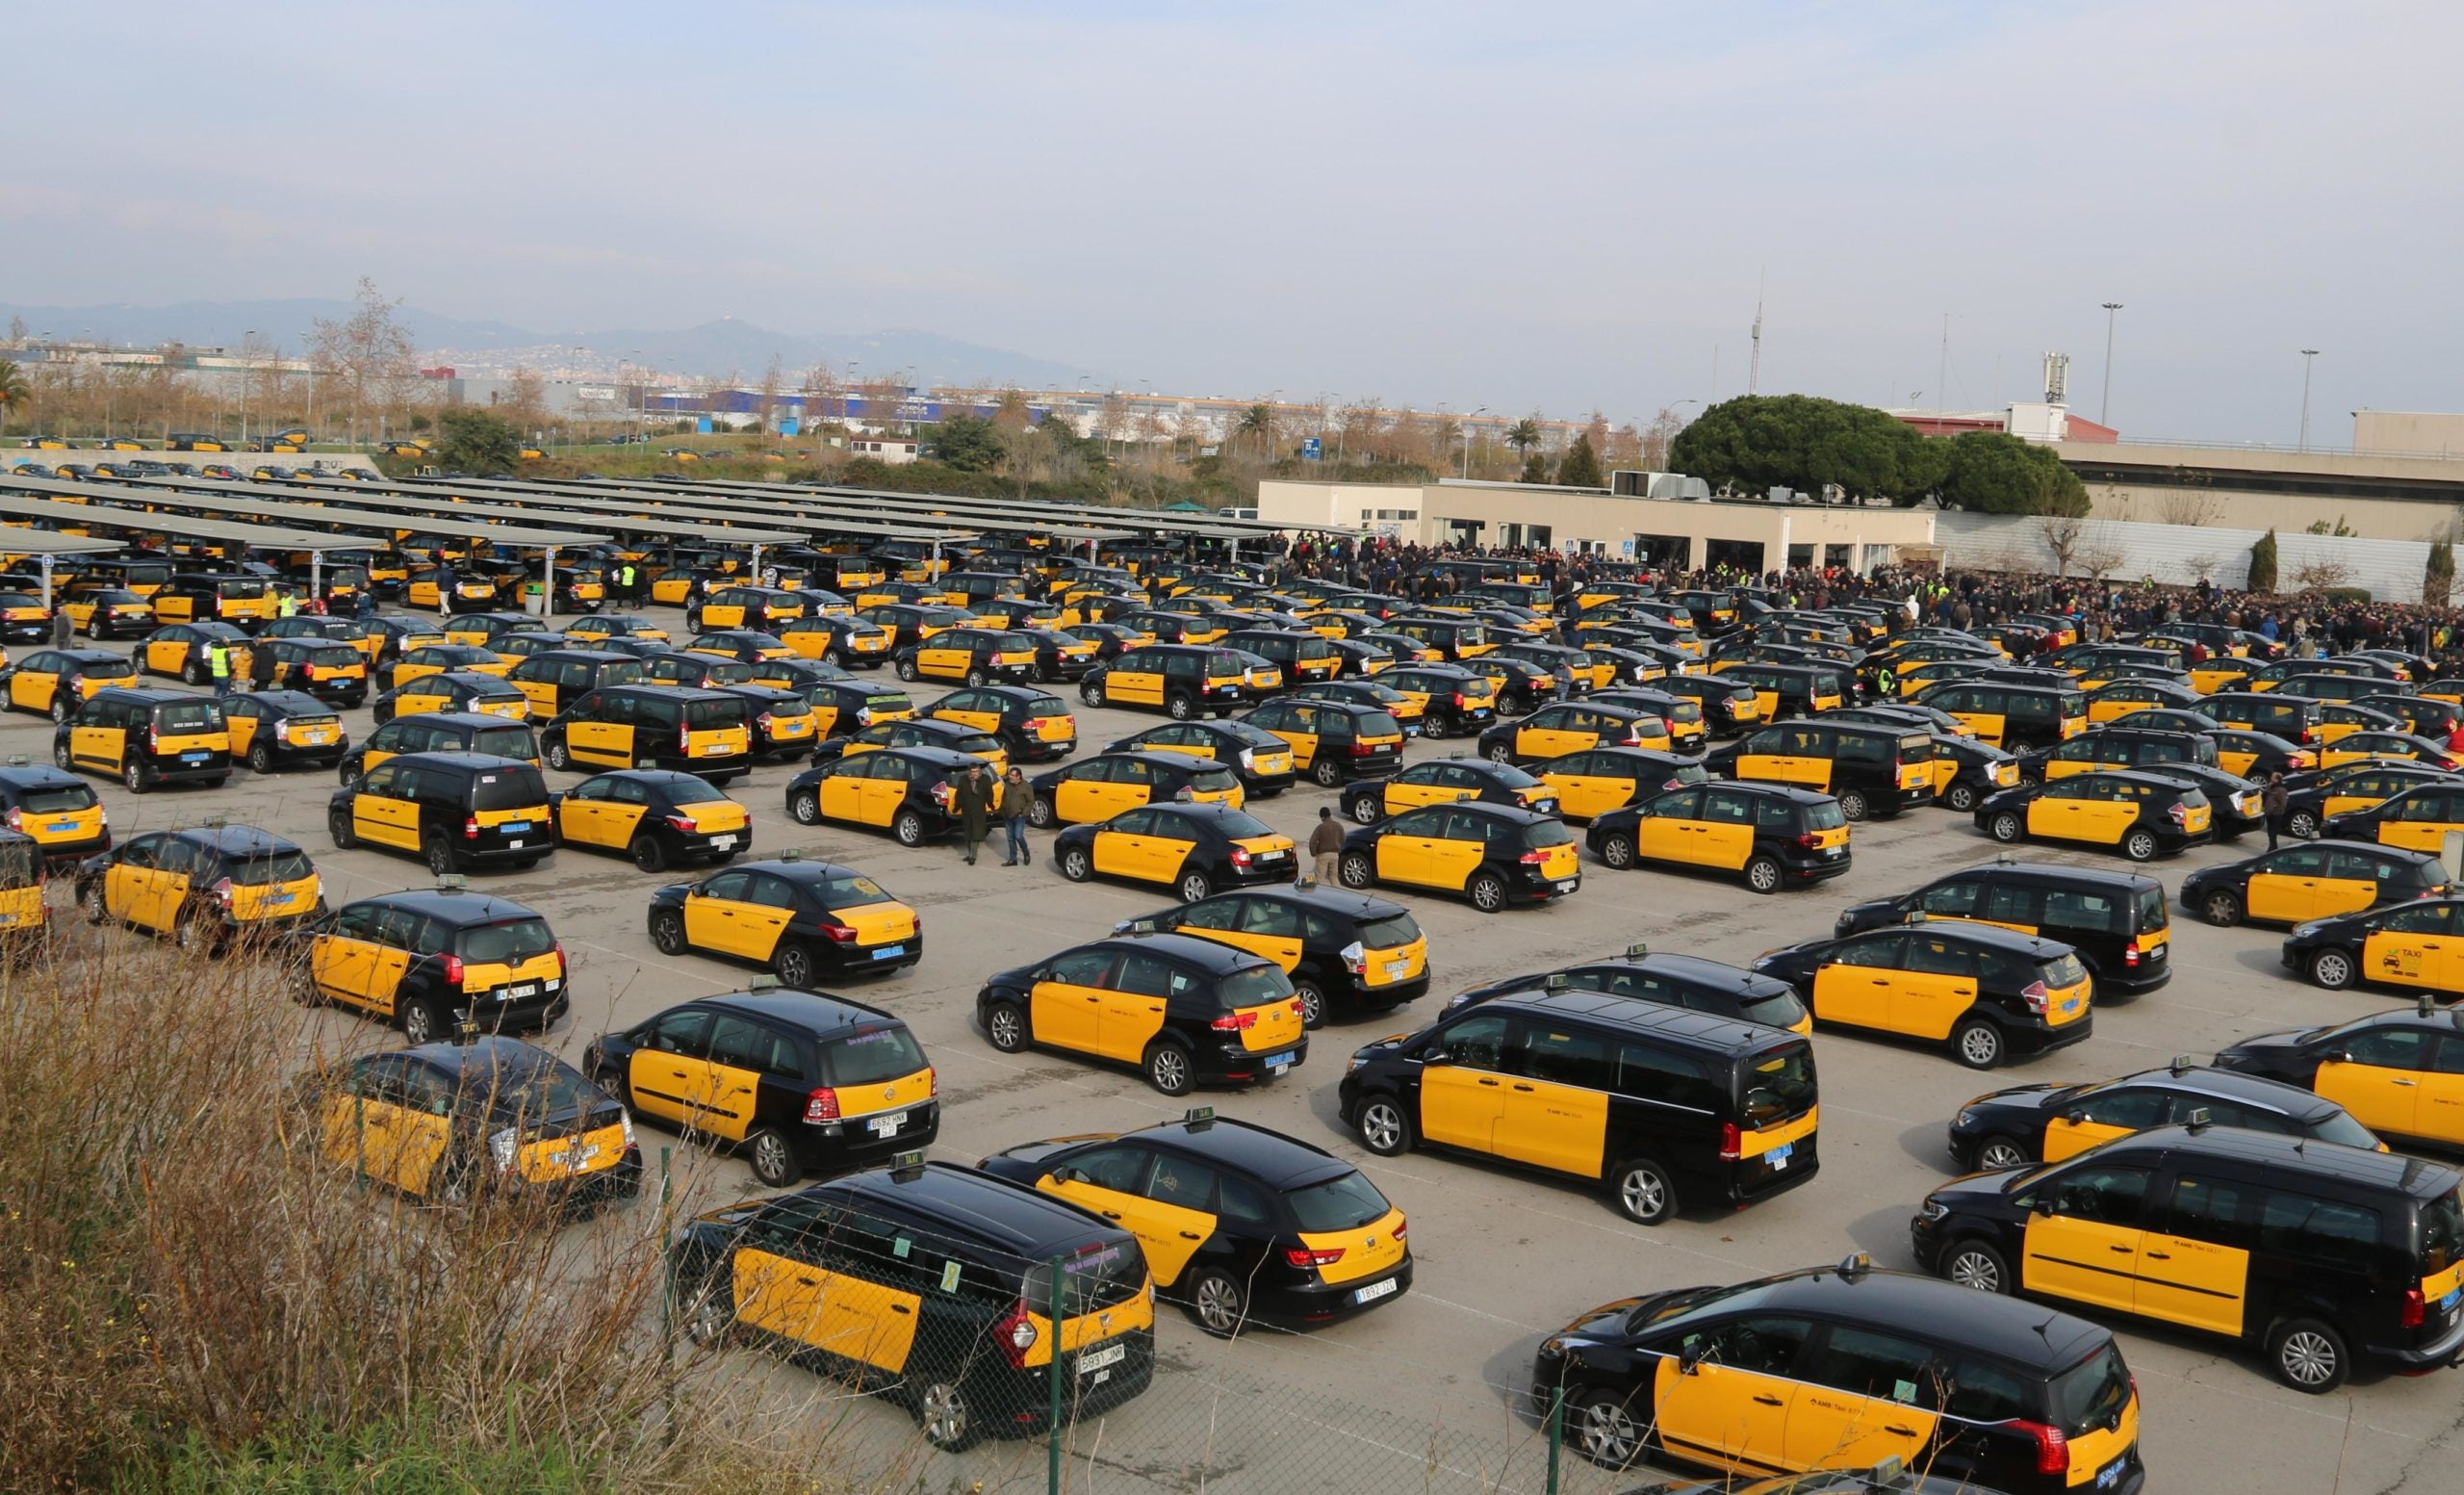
[1857,1265]
[1198,1116]
[452,882]
[1637,951]
[904,1165]
[2198,1121]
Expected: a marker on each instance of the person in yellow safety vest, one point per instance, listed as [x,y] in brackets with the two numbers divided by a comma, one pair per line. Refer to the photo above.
[217,658]
[288,604]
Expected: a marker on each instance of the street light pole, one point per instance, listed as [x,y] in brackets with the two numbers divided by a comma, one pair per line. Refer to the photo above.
[2105,397]
[2308,356]
[1467,442]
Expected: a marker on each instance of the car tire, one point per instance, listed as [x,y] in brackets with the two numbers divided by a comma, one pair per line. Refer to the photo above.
[1366,810]
[422,1023]
[2302,825]
[338,826]
[60,757]
[1433,727]
[1604,1429]
[2020,747]
[794,965]
[194,935]
[1354,870]
[98,908]
[1763,873]
[2222,908]
[1195,887]
[1313,1003]
[667,932]
[1168,1068]
[438,853]
[1852,805]
[1040,812]
[647,854]
[805,805]
[1005,1026]
[1216,1304]
[1644,1192]
[192,674]
[2308,1356]
[1617,850]
[976,678]
[942,1416]
[1091,691]
[59,709]
[1486,890]
[1498,752]
[904,669]
[1181,708]
[2006,826]
[771,1157]
[1385,1127]
[2334,969]
[1326,774]
[1975,1264]
[1978,1043]
[908,828]
[1076,865]
[1998,1152]
[259,758]
[2140,844]
[558,758]
[1961,798]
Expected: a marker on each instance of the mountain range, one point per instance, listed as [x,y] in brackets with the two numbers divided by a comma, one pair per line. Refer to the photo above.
[713,348]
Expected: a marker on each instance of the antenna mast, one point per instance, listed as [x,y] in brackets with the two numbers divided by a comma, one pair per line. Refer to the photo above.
[1753,369]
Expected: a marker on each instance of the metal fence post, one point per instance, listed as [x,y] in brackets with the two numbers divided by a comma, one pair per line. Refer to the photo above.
[667,1290]
[1557,1432]
[1052,1436]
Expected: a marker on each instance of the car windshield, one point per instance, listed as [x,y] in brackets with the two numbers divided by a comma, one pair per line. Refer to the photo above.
[56,799]
[185,716]
[1776,1086]
[850,891]
[875,1056]
[1510,777]
[2091,1394]
[726,672]
[505,945]
[508,788]
[1097,1276]
[534,1092]
[2442,1231]
[1391,933]
[269,867]
[1343,1203]
[1257,986]
[512,742]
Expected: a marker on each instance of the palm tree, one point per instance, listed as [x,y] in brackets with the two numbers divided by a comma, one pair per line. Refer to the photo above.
[1523,436]
[15,391]
[1258,421]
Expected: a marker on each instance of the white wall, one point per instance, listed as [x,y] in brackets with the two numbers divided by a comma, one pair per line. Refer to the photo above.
[2181,554]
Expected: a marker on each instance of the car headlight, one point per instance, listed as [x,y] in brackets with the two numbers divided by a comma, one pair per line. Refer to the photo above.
[2304,931]
[1355,1063]
[1933,1209]
[1966,1118]
[625,1119]
[501,1144]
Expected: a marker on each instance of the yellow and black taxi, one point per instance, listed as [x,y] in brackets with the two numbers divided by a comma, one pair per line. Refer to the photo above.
[1729,707]
[322,668]
[2016,717]
[799,1082]
[2095,665]
[451,809]
[909,792]
[1059,656]
[1784,691]
[2311,797]
[427,960]
[1572,727]
[702,731]
[2420,715]
[1984,993]
[1682,715]
[1769,834]
[1455,638]
[1446,782]
[1184,1011]
[1199,627]
[801,920]
[915,623]
[179,652]
[1343,951]
[976,656]
[1451,700]
[482,629]
[1404,708]
[1585,786]
[1848,1367]
[1967,770]
[206,889]
[59,811]
[363,635]
[658,816]
[1034,725]
[2141,814]
[271,730]
[843,706]
[2400,1073]
[1299,657]
[2415,947]
[783,720]
[25,919]
[846,641]
[1333,741]
[424,659]
[1589,673]
[2320,880]
[1626,662]
[1261,759]
[919,731]
[2297,719]
[2120,698]
[1239,1223]
[23,618]
[56,682]
[555,677]
[763,607]
[2255,754]
[2107,748]
[2029,1124]
[449,1120]
[601,625]
[2117,922]
[2353,747]
[1185,681]
[440,732]
[203,597]
[750,645]
[1491,854]
[1661,1106]
[1101,787]
[1191,848]
[1402,649]
[146,738]
[456,691]
[2330,685]
[1686,981]
[938,1283]
[2324,1257]
[2417,818]
[1871,770]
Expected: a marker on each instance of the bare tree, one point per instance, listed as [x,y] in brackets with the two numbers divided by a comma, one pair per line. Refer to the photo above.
[2101,559]
[1656,439]
[364,359]
[2061,535]
[773,379]
[2189,507]
[825,398]
[524,400]
[883,396]
[2320,575]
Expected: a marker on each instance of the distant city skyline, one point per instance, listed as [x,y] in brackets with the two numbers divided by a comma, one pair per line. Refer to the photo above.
[1577,206]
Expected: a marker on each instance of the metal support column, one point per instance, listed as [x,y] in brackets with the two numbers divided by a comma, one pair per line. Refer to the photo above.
[46,584]
[548,591]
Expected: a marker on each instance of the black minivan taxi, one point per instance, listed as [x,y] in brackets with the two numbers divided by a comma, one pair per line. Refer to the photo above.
[2116,922]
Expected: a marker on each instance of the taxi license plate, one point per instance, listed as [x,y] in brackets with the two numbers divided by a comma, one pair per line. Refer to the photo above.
[713,749]
[516,994]
[1097,1359]
[2109,1476]
[277,900]
[1277,1064]
[193,758]
[59,825]
[1478,713]
[1832,851]
[1270,856]
[887,951]
[1398,968]
[515,825]
[722,842]
[1544,806]
[2454,1296]
[886,1125]
[1566,886]
[1778,1156]
[2071,1006]
[1374,1291]
[514,844]
[573,1160]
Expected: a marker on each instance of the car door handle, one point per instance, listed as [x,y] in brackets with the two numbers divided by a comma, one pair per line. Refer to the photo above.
[1111,1214]
[2407,1084]
[900,1308]
[807,1281]
[1770,1401]
[1489,1082]
[1523,1087]
[2160,1256]
[2124,1249]
[1881,981]
[1905,1432]
[1191,1235]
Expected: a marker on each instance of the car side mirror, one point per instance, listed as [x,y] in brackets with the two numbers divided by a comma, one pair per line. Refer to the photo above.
[1067,1174]
[2075,1117]
[1434,1056]
[2336,1056]
[1689,1357]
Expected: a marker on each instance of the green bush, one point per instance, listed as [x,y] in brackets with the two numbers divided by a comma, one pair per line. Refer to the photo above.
[2438,576]
[2263,563]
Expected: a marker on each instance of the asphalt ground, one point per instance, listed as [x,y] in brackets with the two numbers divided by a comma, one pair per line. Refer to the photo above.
[1426,1391]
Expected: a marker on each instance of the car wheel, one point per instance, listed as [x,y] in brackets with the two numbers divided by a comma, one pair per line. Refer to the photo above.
[1998,1152]
[647,854]
[1384,1127]
[557,758]
[1977,1043]
[1168,1069]
[794,965]
[1961,798]
[2139,846]
[976,678]
[1366,810]
[1852,805]
[2334,968]
[905,670]
[422,1023]
[1005,1024]
[709,1318]
[1604,1431]
[2006,826]
[2307,1356]
[1180,708]
[908,828]
[667,932]
[1075,865]
[773,1159]
[438,853]
[941,1416]
[1216,1304]
[98,908]
[59,709]
[1762,873]
[338,826]
[1040,812]
[806,807]
[134,775]
[259,758]
[60,757]
[1498,752]
[1196,886]
[2019,747]
[2302,825]
[1644,1192]
[1487,892]
[193,935]
[1618,850]
[1313,1003]
[192,674]
[2222,908]
[1433,727]
[1091,691]
[1326,774]
[1354,870]
[1976,1264]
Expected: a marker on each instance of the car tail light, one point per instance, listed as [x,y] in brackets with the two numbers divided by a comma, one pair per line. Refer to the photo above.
[2309,733]
[1533,859]
[1235,1023]
[16,818]
[1458,698]
[1304,1258]
[1732,1142]
[684,738]
[932,1084]
[470,828]
[1363,749]
[2053,1449]
[942,795]
[683,825]
[822,1105]
[453,971]
[2130,952]
[2038,999]
[764,720]
[1032,724]
[1016,1334]
[840,934]
[1401,1228]
[153,738]
[222,892]
[2416,1309]
[1240,856]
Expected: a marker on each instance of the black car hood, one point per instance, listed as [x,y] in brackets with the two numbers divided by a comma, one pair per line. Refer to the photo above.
[1978,1187]
[2285,1037]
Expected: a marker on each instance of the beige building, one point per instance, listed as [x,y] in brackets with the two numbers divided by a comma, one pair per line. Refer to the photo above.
[1754,534]
[2394,485]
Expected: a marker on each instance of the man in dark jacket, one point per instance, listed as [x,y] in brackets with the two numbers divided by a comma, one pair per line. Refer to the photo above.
[2272,803]
[974,809]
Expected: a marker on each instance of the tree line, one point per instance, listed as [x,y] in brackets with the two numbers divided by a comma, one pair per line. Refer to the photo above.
[1755,443]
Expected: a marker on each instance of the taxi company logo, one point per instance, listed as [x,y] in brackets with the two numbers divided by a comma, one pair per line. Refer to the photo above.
[1103,1321]
[889,1093]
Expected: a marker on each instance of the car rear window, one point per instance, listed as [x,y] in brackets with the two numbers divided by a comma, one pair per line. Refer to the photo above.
[333,654]
[2442,1230]
[1047,706]
[1390,933]
[1344,1203]
[56,799]
[273,867]
[873,1056]
[714,713]
[1780,1009]
[535,1091]
[1825,816]
[2153,915]
[1551,833]
[241,590]
[1257,986]
[1214,780]
[517,787]
[505,742]
[1100,1276]
[2063,971]
[1773,1087]
[2091,1394]
[1241,825]
[188,716]
[852,892]
[503,944]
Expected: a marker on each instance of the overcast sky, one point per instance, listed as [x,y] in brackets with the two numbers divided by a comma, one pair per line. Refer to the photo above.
[1538,204]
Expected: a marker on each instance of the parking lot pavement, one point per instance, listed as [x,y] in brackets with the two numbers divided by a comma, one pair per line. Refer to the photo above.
[1503,1257]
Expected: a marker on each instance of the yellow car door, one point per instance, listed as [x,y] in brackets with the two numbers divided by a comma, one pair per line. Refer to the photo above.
[764,916]
[2418,819]
[729,1082]
[2083,1237]
[1583,786]
[1724,837]
[2284,888]
[1555,1114]
[719,914]
[1556,731]
[1132,1009]
[2379,1078]
[2100,1116]
[1455,852]
[1936,986]
[1265,926]
[1463,1091]
[1162,846]
[1066,1004]
[384,812]
[1119,849]
[2416,948]
[1788,755]
[1405,848]
[1853,985]
[1089,792]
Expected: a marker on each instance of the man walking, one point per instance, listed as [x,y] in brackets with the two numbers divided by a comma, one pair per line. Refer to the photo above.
[217,659]
[64,628]
[1013,816]
[1325,847]
[2272,801]
[975,809]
